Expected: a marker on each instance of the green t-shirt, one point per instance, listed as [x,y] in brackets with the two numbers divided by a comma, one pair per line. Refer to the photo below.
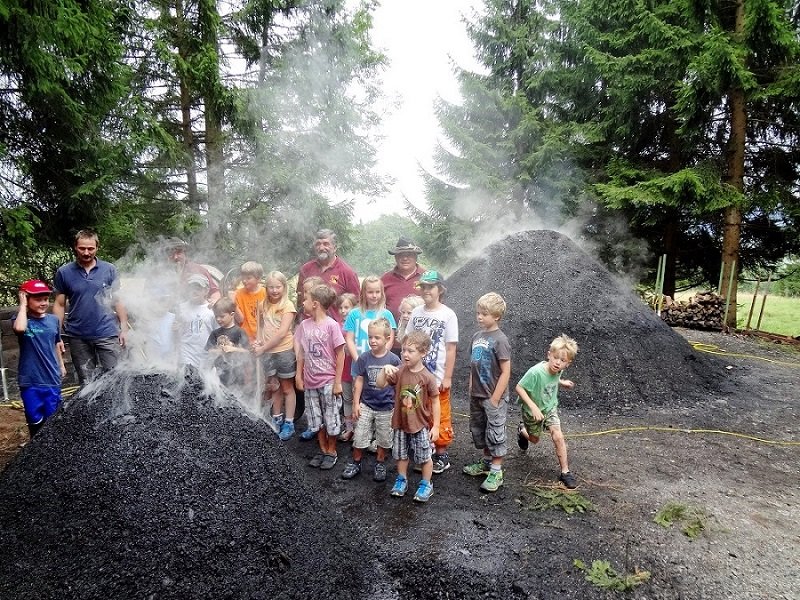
[541,386]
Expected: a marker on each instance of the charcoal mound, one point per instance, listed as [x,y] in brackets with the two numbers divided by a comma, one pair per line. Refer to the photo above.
[168,496]
[627,356]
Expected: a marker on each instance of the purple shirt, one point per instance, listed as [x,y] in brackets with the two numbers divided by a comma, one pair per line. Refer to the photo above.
[318,343]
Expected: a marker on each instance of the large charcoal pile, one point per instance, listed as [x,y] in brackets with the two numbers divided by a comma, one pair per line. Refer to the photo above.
[168,495]
[627,356]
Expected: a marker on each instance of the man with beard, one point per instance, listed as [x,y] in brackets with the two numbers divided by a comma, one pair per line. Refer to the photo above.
[97,322]
[335,272]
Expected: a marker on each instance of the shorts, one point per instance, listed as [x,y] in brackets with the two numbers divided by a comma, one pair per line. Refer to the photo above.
[416,444]
[347,398]
[534,427]
[377,421]
[324,408]
[487,424]
[40,402]
[282,365]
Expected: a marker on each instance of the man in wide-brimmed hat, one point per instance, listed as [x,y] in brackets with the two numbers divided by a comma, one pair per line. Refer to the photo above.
[402,280]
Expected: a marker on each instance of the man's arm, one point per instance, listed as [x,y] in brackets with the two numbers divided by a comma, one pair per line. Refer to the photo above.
[60,308]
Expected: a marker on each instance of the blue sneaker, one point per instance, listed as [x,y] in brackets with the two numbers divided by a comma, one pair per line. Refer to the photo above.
[308,435]
[400,486]
[287,431]
[424,491]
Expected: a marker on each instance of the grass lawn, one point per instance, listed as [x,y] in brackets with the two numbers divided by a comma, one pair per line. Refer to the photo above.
[781,314]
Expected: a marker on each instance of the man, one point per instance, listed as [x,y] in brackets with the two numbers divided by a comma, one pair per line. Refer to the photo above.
[176,252]
[333,270]
[402,280]
[97,323]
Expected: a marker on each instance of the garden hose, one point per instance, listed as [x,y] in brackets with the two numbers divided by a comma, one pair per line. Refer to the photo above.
[713,349]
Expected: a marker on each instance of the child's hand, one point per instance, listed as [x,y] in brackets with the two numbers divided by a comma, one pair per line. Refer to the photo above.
[337,388]
[356,410]
[567,384]
[536,413]
[434,433]
[298,382]
[446,384]
[23,298]
[257,348]
[390,370]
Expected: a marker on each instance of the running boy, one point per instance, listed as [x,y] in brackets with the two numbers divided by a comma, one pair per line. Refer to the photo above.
[490,371]
[372,406]
[538,397]
[441,324]
[41,364]
[319,346]
[416,416]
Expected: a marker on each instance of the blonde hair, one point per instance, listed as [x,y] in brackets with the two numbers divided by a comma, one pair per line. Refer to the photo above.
[493,304]
[252,269]
[419,339]
[381,323]
[362,301]
[413,300]
[282,304]
[566,343]
[346,297]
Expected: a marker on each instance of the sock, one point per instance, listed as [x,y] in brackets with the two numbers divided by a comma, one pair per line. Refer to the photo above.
[289,421]
[497,468]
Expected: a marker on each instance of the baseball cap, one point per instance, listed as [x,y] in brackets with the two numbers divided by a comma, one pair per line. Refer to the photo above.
[197,280]
[431,278]
[35,287]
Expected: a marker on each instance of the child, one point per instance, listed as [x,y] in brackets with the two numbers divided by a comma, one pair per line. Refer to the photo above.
[41,364]
[372,406]
[275,344]
[308,284]
[196,321]
[416,416]
[319,346]
[249,296]
[441,324]
[538,396]
[345,303]
[407,306]
[229,344]
[490,371]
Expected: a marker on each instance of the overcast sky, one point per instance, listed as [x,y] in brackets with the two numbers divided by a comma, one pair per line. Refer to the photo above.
[420,39]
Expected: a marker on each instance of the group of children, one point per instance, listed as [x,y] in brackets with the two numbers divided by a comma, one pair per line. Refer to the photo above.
[356,388]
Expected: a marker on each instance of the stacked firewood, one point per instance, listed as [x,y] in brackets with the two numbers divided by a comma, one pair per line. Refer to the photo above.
[704,310]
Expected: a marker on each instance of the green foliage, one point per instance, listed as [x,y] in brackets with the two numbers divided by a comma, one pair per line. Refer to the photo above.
[693,519]
[569,502]
[603,575]
[371,242]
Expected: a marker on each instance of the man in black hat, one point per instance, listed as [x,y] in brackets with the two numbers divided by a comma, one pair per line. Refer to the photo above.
[402,280]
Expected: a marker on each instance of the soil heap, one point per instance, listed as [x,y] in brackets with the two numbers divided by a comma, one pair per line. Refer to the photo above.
[627,355]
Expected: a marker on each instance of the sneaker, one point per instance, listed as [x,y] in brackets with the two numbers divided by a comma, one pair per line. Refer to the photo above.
[522,441]
[277,422]
[400,486]
[316,461]
[424,491]
[379,474]
[479,467]
[328,461]
[493,481]
[441,462]
[352,469]
[568,479]
[308,435]
[287,431]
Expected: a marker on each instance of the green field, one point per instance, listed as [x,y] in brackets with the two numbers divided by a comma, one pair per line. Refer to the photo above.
[781,314]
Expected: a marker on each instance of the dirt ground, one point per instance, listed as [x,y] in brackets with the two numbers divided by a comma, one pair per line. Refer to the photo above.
[733,457]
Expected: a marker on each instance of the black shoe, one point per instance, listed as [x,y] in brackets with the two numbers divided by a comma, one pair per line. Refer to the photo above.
[379,474]
[352,469]
[522,441]
[568,479]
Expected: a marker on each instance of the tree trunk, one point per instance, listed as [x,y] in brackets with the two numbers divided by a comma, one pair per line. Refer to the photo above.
[215,152]
[192,197]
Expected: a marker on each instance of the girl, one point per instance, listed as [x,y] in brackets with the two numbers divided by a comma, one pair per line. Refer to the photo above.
[345,303]
[275,344]
[408,304]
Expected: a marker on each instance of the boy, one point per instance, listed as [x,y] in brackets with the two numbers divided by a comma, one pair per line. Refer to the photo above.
[229,344]
[195,322]
[372,406]
[490,371]
[41,364]
[441,324]
[417,414]
[538,396]
[249,296]
[319,346]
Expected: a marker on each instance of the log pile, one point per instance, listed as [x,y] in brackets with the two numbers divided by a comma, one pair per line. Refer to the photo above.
[705,310]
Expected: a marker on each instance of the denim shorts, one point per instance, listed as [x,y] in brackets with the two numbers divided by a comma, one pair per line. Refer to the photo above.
[280,364]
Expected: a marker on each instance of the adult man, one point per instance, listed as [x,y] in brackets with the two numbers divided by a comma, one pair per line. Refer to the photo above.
[333,270]
[176,252]
[402,280]
[97,323]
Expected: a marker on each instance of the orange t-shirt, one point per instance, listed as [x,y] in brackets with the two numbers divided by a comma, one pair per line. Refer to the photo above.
[247,303]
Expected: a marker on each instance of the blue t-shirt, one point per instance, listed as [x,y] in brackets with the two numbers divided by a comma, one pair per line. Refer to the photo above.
[368,366]
[90,299]
[357,323]
[38,362]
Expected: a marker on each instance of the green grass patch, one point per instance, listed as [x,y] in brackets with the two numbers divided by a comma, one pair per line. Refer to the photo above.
[781,314]
[692,519]
[545,499]
[601,574]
